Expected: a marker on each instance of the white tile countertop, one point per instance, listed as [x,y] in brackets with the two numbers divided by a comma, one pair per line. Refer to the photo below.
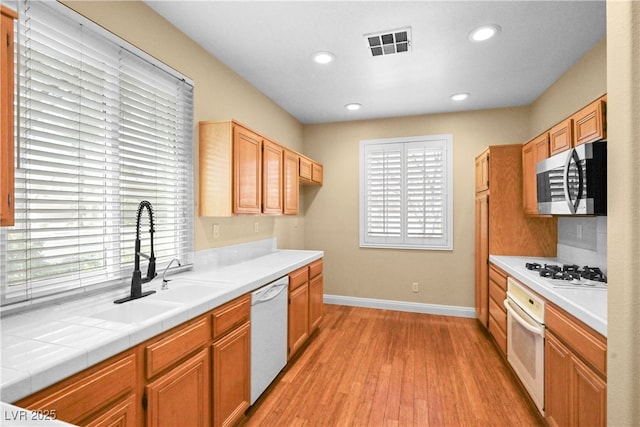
[587,305]
[41,347]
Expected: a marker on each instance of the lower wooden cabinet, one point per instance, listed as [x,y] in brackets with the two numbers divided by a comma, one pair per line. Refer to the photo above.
[306,299]
[575,373]
[497,312]
[231,376]
[181,397]
[92,397]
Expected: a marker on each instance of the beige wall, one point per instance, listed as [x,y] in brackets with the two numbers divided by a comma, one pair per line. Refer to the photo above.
[623,107]
[445,277]
[219,94]
[584,82]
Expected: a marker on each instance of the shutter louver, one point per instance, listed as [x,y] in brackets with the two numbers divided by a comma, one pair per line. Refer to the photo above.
[100,129]
[405,186]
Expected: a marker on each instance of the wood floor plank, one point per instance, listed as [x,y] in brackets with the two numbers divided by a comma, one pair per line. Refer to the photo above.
[369,367]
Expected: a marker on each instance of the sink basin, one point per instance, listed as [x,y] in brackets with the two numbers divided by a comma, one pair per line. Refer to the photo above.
[188,293]
[135,311]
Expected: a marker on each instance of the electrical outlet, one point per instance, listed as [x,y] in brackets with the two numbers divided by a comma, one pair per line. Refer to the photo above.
[216,231]
[415,287]
[256,227]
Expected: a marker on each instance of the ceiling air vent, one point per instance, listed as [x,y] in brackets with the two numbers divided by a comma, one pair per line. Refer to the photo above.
[389,42]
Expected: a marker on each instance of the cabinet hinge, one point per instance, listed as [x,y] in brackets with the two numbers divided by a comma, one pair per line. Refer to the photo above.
[144,401]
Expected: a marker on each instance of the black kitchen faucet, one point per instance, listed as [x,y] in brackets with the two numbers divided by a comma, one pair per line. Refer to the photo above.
[136,279]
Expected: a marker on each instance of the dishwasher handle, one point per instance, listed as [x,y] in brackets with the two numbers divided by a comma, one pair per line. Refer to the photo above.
[271,293]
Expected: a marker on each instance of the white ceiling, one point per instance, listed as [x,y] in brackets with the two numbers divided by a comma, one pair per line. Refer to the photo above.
[271,45]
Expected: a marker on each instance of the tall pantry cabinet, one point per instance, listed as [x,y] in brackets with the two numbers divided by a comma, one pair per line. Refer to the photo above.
[502,228]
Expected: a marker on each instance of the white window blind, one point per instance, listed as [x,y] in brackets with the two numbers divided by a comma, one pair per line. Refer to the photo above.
[101,126]
[405,193]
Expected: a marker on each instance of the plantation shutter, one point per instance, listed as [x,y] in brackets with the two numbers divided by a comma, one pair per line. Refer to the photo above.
[101,126]
[406,193]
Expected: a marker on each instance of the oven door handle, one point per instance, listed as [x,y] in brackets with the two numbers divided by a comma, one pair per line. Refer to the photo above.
[525,323]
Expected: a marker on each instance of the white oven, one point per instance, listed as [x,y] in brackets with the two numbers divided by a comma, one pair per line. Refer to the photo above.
[525,339]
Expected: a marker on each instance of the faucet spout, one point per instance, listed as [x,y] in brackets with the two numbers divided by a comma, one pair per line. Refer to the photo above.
[136,279]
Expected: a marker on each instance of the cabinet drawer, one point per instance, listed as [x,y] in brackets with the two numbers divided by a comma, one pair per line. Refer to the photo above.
[81,396]
[172,348]
[315,268]
[230,315]
[498,276]
[496,310]
[498,334]
[587,343]
[497,294]
[298,277]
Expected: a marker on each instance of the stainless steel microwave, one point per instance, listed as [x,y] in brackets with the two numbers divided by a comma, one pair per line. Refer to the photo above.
[574,182]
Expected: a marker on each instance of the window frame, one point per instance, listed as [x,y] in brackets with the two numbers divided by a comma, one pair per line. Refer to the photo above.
[404,241]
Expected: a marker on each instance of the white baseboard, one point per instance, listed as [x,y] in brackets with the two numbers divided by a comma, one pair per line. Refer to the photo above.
[413,307]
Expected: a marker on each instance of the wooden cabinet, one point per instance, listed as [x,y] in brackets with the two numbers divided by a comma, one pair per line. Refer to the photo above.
[575,372]
[272,178]
[247,171]
[7,17]
[291,184]
[589,124]
[178,376]
[181,397]
[532,152]
[306,294]
[316,294]
[241,172]
[502,228]
[311,172]
[497,311]
[231,361]
[93,397]
[298,321]
[561,137]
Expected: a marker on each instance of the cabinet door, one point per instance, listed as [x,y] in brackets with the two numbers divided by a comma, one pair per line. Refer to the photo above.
[316,173]
[231,376]
[316,294]
[298,317]
[482,258]
[181,397]
[272,177]
[589,124]
[247,171]
[561,137]
[305,168]
[291,183]
[482,172]
[589,394]
[6,117]
[557,359]
[532,152]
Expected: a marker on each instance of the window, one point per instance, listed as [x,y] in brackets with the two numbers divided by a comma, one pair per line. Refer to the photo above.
[405,193]
[100,127]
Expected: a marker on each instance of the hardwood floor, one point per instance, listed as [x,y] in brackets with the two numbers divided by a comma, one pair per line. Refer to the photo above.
[368,367]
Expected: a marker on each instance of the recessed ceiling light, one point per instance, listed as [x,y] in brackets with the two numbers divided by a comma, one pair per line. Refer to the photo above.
[483,33]
[324,57]
[353,106]
[459,96]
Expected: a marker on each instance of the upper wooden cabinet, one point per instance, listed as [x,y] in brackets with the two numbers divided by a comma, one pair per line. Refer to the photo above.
[273,178]
[482,171]
[561,137]
[6,117]
[532,152]
[241,172]
[310,171]
[590,124]
[291,203]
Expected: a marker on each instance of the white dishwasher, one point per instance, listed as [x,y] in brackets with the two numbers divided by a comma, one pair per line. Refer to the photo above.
[269,306]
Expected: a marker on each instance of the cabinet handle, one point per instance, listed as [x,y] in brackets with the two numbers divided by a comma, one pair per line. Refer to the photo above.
[9,199]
